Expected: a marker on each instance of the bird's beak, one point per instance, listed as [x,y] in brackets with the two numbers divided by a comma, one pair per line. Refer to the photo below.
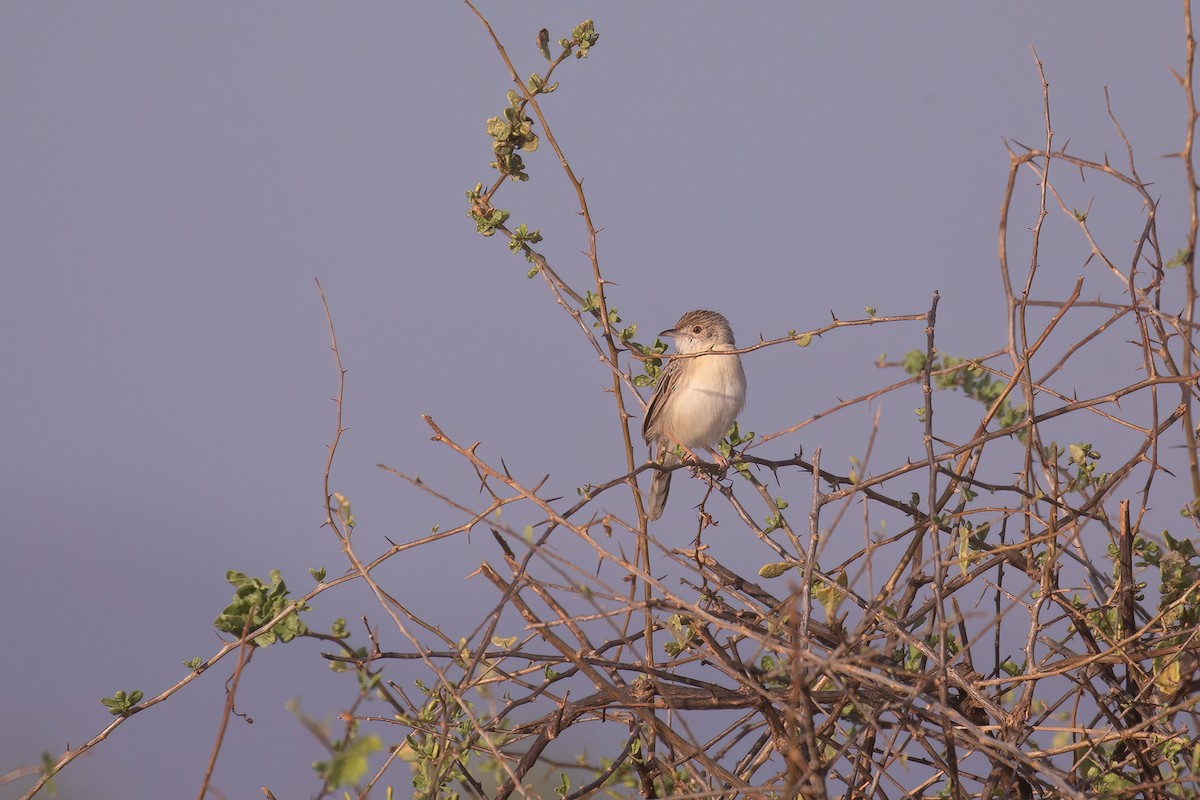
[670,333]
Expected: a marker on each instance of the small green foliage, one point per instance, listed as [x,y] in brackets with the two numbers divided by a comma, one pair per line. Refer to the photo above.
[537,85]
[193,663]
[914,657]
[652,366]
[550,673]
[121,703]
[914,362]
[583,38]
[564,785]
[512,133]
[1181,257]
[260,603]
[734,439]
[318,574]
[871,311]
[952,645]
[520,239]
[350,761]
[359,654]
[1011,667]
[969,377]
[684,633]
[487,219]
[775,569]
[1147,550]
[1084,458]
[1106,620]
[1168,675]
[1179,583]
[1080,216]
[339,628]
[968,545]
[831,597]
[1105,780]
[343,509]
[49,769]
[804,339]
[436,748]
[591,304]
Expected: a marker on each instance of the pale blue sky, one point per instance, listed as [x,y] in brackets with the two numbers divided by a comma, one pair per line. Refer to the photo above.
[174,175]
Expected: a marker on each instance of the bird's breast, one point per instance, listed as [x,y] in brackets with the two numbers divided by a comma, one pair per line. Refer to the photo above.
[707,401]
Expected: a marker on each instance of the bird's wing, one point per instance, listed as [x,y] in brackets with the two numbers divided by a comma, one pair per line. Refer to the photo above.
[667,382]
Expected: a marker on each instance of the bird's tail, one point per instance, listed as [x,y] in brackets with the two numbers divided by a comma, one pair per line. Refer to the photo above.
[660,484]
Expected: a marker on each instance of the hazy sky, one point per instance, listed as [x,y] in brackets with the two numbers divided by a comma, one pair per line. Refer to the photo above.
[174,175]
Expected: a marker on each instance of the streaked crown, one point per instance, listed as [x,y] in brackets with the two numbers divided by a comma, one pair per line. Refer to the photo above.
[700,330]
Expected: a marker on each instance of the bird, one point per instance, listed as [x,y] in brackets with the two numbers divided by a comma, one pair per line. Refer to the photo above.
[696,400]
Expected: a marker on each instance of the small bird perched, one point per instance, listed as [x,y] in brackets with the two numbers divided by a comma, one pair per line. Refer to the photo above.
[696,400]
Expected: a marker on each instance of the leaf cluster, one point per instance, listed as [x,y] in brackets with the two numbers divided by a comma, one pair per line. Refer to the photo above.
[255,604]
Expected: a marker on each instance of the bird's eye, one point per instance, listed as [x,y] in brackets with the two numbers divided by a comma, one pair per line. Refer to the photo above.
[697,329]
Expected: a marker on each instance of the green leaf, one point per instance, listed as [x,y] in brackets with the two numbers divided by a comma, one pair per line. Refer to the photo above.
[774,570]
[831,597]
[348,766]
[260,603]
[1011,667]
[49,769]
[1181,257]
[497,128]
[121,703]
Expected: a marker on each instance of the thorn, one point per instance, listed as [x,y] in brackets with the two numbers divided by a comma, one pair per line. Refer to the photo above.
[508,553]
